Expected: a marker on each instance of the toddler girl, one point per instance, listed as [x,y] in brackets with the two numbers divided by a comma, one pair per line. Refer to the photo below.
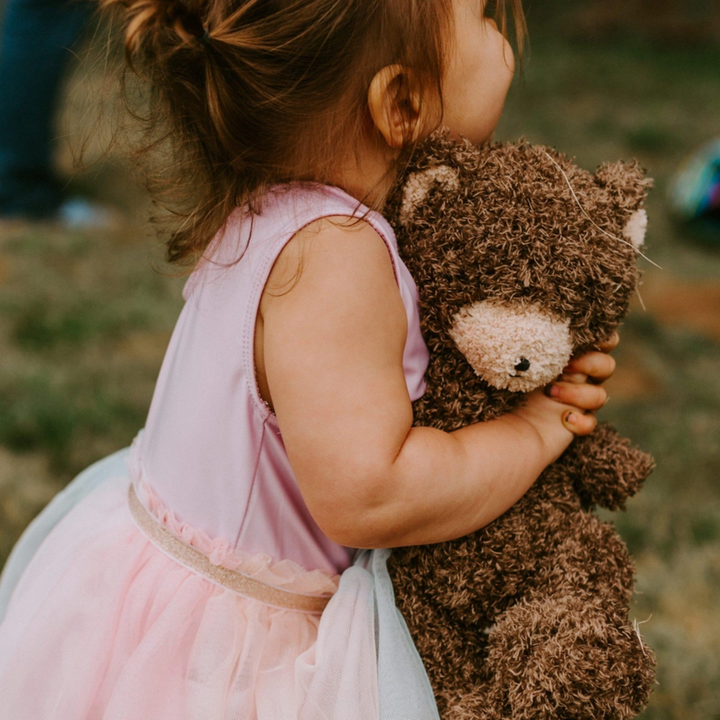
[211,571]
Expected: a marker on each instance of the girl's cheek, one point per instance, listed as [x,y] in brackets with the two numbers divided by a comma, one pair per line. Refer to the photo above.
[508,57]
[500,50]
[479,76]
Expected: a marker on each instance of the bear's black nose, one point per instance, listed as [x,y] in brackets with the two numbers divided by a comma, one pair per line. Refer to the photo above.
[523,365]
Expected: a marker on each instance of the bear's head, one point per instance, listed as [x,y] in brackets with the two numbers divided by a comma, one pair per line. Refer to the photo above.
[521,258]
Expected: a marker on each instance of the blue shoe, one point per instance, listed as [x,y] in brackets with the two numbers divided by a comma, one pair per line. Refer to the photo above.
[73,214]
[81,214]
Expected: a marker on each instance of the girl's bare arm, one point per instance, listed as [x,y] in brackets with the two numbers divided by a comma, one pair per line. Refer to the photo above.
[333,343]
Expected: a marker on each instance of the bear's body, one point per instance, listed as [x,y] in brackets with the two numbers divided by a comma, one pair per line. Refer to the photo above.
[528,617]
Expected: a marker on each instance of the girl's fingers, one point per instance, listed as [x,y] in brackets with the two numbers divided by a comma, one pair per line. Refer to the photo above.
[583,396]
[579,423]
[597,365]
[610,344]
[576,387]
[575,378]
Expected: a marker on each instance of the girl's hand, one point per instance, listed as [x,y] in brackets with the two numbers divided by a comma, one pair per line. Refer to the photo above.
[580,385]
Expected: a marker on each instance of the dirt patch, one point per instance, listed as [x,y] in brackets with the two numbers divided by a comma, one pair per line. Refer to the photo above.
[691,304]
[673,302]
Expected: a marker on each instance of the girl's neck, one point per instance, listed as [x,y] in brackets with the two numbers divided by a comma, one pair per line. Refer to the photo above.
[367,174]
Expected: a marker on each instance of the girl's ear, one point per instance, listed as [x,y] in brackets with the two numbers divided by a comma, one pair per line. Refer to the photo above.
[395,107]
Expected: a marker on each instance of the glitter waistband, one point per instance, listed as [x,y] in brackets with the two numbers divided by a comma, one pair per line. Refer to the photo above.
[237,582]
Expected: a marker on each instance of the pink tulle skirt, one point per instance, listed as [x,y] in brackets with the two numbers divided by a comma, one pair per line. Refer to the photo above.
[104,626]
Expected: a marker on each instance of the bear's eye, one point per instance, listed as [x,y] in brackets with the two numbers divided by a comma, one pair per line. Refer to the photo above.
[522,364]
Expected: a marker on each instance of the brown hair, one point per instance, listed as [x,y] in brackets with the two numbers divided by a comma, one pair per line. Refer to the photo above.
[252,93]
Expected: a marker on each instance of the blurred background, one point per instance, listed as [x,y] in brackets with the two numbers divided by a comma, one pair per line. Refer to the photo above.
[85,316]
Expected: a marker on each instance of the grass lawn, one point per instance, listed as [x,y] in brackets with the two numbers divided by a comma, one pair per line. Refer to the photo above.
[84,321]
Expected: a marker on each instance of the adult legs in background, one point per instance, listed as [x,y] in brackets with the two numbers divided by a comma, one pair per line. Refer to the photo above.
[35,46]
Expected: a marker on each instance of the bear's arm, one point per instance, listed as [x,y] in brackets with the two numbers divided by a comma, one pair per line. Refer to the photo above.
[606,468]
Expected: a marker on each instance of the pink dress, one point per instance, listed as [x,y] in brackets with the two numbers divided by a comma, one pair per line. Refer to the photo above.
[103,624]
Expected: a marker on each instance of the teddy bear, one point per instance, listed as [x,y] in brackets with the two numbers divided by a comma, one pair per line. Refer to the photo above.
[522,260]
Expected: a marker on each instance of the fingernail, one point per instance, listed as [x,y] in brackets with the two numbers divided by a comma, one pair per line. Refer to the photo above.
[571,418]
[554,391]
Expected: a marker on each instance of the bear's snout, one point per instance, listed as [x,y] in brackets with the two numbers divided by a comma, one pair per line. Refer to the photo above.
[514,347]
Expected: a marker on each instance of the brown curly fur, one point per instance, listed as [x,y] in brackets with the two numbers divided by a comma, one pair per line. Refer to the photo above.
[528,617]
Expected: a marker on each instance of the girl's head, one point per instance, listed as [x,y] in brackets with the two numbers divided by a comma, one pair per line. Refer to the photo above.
[252,93]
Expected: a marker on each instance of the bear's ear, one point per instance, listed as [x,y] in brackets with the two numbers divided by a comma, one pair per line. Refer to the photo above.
[627,182]
[636,228]
[628,187]
[418,185]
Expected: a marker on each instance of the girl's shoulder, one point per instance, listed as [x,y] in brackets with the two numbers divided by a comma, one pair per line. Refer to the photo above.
[299,205]
[333,231]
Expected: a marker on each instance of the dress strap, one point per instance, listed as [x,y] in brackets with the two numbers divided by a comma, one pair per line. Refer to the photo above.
[237,582]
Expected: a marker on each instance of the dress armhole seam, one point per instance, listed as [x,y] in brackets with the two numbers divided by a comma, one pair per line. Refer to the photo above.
[258,286]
